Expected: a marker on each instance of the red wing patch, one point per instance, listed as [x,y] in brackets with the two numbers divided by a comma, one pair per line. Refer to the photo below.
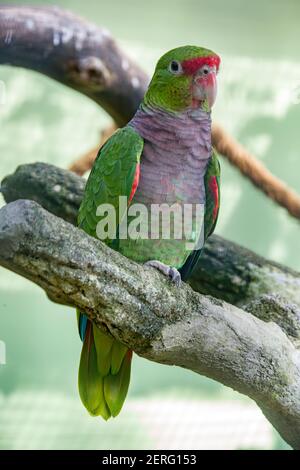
[213,186]
[135,183]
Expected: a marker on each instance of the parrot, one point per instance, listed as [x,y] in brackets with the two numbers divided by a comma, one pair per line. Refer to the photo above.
[163,155]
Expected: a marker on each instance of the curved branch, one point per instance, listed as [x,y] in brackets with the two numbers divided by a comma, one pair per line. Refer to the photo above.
[148,314]
[75,52]
[225,270]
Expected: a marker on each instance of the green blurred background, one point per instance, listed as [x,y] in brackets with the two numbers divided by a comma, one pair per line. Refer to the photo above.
[43,121]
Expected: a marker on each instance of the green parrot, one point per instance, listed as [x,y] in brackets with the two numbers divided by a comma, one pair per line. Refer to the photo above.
[163,156]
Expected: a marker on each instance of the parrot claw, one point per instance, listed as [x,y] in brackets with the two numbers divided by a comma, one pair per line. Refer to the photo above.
[175,276]
[172,273]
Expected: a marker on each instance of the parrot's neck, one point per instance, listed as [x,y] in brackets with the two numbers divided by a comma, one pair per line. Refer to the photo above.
[177,149]
[187,132]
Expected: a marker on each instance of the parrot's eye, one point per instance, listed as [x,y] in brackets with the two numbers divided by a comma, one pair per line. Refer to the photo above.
[205,70]
[175,67]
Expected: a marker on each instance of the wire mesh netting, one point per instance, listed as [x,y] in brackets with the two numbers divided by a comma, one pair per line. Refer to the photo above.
[32,420]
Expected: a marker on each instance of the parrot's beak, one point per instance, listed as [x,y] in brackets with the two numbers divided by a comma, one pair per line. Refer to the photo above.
[205,88]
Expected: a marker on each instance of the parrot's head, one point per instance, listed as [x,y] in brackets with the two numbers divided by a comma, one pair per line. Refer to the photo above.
[185,78]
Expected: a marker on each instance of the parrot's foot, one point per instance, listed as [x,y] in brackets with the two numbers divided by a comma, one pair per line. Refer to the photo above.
[171,273]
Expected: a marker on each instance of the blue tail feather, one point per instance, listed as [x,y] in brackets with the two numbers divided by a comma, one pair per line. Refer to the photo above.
[82,325]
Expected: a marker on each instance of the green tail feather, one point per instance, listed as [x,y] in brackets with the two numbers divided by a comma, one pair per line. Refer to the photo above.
[104,373]
[103,344]
[116,386]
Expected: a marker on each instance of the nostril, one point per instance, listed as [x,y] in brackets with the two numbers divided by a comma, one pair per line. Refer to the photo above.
[198,80]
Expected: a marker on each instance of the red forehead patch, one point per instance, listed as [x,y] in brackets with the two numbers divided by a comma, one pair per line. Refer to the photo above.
[191,66]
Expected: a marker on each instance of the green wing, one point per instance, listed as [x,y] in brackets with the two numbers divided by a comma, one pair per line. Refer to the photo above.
[104,371]
[212,191]
[113,175]
[212,204]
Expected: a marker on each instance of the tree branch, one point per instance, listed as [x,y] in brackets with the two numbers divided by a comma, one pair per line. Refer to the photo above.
[148,314]
[75,52]
[225,270]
